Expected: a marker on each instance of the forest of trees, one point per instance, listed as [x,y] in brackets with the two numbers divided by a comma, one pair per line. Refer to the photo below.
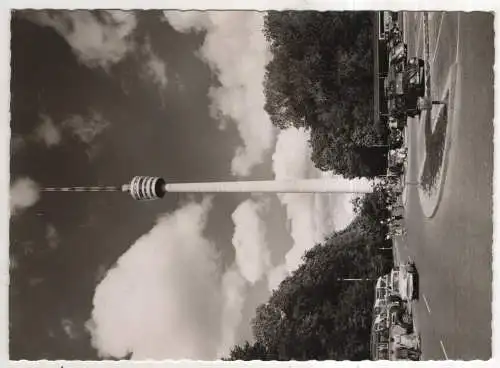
[321,78]
[314,314]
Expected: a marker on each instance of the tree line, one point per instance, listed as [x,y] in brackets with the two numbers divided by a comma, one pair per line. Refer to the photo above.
[321,78]
[314,313]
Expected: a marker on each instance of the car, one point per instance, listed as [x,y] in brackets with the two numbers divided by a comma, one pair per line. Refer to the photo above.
[415,76]
[408,282]
[394,35]
[414,85]
[394,123]
[403,88]
[395,138]
[398,55]
[395,89]
[380,323]
[400,315]
[396,106]
[381,287]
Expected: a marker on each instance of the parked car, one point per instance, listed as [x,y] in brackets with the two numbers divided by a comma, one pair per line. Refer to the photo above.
[408,281]
[415,75]
[394,36]
[394,123]
[403,88]
[395,94]
[395,138]
[398,55]
[399,314]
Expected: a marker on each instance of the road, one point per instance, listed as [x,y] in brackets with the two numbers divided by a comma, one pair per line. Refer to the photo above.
[453,250]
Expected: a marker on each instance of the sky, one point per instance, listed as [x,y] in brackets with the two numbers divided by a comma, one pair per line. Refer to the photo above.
[98,98]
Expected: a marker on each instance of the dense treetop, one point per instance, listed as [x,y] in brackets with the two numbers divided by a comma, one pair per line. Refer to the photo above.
[321,78]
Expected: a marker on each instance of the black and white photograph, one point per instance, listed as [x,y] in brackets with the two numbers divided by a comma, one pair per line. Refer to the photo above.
[279,185]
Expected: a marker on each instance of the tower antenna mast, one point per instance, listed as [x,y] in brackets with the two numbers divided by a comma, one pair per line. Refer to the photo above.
[83,189]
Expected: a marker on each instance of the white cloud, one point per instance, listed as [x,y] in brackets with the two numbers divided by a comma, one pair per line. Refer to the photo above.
[292,160]
[167,298]
[234,289]
[86,128]
[52,236]
[236,50]
[100,273]
[154,67]
[276,275]
[311,216]
[249,241]
[24,193]
[344,213]
[187,21]
[97,41]
[48,132]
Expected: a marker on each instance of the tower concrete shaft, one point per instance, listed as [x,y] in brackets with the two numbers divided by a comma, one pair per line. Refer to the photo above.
[325,185]
[149,188]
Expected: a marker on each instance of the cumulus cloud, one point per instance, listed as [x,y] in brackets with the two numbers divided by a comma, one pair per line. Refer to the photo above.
[276,275]
[187,21]
[236,50]
[253,257]
[99,39]
[167,298]
[344,213]
[48,132]
[24,193]
[295,163]
[234,289]
[252,262]
[86,128]
[162,299]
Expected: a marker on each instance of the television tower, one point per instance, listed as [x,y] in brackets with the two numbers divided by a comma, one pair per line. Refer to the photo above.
[151,187]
